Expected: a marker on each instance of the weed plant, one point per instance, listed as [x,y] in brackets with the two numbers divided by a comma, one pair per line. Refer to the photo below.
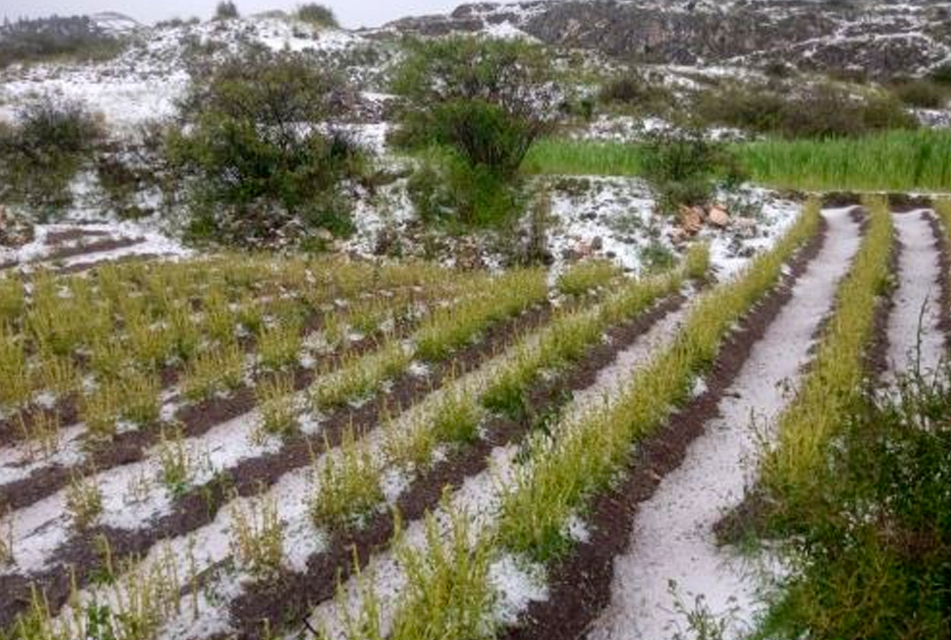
[866,550]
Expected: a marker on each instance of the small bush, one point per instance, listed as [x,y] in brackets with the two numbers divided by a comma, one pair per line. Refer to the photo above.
[226,11]
[681,168]
[634,90]
[923,94]
[41,153]
[487,102]
[317,14]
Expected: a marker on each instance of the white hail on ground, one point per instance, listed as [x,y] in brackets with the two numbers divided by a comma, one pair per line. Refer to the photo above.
[673,537]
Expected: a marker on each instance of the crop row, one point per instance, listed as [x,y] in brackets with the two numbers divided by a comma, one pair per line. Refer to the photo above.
[835,379]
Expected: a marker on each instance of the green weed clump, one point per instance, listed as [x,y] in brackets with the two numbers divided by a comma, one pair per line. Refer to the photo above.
[866,549]
[835,379]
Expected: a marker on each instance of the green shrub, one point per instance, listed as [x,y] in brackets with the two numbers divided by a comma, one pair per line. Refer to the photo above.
[317,14]
[485,100]
[447,188]
[632,89]
[868,549]
[681,165]
[258,165]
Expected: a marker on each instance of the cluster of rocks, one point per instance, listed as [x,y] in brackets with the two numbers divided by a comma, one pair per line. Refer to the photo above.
[692,220]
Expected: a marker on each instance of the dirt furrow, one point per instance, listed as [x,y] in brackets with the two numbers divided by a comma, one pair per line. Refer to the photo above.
[594,590]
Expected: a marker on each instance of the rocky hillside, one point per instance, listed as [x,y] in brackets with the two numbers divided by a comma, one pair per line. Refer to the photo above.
[880,38]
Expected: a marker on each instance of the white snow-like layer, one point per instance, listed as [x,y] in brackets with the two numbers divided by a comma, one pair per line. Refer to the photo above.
[518,582]
[673,537]
[914,323]
[153,242]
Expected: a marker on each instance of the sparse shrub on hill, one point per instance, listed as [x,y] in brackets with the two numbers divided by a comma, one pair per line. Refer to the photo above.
[632,90]
[77,37]
[43,149]
[487,101]
[258,161]
[226,11]
[317,14]
[817,111]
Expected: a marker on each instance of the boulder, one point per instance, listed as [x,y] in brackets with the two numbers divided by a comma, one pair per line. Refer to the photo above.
[719,217]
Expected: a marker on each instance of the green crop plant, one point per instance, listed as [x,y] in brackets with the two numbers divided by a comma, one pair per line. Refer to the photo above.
[41,432]
[278,405]
[347,484]
[257,538]
[58,374]
[12,300]
[447,593]
[835,378]
[279,346]
[359,377]
[586,276]
[176,463]
[211,372]
[141,398]
[564,471]
[15,385]
[101,409]
[409,446]
[83,502]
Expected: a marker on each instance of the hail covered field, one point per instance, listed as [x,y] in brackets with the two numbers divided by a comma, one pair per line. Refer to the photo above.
[208,443]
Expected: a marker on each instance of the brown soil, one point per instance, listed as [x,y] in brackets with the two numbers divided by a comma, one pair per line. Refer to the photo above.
[944,277]
[580,584]
[69,235]
[92,247]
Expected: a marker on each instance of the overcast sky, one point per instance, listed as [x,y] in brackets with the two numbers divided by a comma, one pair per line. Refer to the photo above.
[352,13]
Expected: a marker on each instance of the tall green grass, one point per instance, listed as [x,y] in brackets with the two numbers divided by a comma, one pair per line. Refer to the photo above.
[893,161]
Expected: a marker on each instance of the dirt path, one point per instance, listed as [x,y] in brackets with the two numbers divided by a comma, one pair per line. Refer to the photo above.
[673,536]
[914,326]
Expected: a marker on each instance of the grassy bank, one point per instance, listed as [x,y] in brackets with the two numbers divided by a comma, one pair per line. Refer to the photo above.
[894,161]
